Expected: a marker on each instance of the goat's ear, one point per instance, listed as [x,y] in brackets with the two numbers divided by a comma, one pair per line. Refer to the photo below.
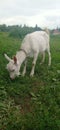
[15,59]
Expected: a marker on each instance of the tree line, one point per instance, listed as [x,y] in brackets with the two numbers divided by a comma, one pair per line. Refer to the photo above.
[18,31]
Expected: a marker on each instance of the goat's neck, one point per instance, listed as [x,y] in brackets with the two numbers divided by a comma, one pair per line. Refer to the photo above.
[21,56]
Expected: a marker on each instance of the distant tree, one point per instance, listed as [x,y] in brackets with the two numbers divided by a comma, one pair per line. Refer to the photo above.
[37,28]
[3,27]
[15,32]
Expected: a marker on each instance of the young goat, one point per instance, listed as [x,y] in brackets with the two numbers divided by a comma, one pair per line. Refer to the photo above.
[33,44]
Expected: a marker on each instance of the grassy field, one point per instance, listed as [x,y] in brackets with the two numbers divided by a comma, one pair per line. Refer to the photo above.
[30,103]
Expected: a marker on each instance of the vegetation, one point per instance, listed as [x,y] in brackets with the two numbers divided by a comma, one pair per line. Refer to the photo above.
[30,103]
[17,31]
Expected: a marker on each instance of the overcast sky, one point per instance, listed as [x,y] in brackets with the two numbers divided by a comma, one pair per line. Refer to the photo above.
[44,13]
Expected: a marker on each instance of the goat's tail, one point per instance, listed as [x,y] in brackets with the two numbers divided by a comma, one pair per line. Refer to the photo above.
[47,31]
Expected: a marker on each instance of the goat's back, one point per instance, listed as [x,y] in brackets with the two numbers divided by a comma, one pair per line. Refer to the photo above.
[36,41]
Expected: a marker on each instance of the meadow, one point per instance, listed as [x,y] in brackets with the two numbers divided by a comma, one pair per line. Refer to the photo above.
[30,103]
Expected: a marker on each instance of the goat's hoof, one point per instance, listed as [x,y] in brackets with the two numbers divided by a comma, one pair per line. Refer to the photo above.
[49,65]
[23,74]
[31,75]
[41,63]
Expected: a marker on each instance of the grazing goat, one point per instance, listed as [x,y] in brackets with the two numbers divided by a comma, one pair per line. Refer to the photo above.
[33,44]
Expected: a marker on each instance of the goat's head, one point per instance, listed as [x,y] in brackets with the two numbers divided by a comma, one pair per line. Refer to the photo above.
[12,66]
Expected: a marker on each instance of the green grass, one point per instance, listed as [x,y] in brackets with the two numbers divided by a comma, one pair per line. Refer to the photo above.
[30,103]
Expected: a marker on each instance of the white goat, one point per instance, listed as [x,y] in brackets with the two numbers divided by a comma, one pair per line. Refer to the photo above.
[33,44]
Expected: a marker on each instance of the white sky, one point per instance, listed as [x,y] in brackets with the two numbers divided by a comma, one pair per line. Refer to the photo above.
[44,13]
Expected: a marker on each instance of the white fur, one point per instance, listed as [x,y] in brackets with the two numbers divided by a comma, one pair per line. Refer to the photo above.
[33,44]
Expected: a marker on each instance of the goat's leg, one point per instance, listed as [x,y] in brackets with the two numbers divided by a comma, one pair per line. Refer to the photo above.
[43,58]
[49,54]
[33,64]
[24,70]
